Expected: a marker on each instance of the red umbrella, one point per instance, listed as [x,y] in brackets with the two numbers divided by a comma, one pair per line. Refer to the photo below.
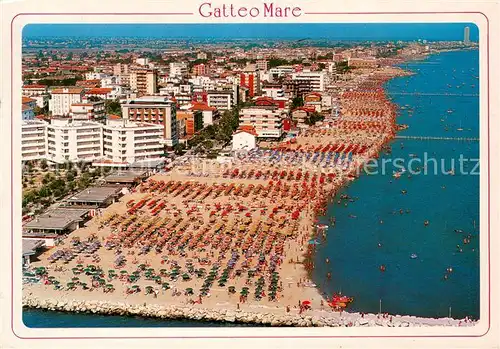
[306,303]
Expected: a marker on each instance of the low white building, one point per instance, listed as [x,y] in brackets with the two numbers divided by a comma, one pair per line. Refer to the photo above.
[69,140]
[131,142]
[244,138]
[33,140]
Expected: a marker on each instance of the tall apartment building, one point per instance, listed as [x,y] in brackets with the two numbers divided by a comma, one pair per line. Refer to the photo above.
[62,99]
[120,69]
[262,64]
[178,69]
[143,81]
[250,78]
[467,35]
[128,141]
[74,141]
[157,110]
[317,79]
[223,100]
[296,88]
[266,121]
[33,140]
[200,69]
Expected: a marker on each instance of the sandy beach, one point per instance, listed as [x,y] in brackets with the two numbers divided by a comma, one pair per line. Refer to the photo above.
[235,236]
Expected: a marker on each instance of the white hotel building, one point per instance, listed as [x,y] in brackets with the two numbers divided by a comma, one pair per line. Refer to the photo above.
[74,141]
[127,141]
[63,98]
[267,122]
[33,140]
[317,79]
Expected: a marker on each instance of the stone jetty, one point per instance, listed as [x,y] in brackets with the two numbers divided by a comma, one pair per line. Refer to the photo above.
[232,315]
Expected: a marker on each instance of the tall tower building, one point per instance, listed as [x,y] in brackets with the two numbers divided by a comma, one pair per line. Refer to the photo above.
[466,35]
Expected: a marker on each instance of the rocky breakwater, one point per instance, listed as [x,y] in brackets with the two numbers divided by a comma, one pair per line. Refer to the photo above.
[226,315]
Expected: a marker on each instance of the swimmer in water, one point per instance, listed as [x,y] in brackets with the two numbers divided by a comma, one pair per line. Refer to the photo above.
[379,244]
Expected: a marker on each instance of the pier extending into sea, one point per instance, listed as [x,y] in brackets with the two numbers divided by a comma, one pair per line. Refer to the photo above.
[434,94]
[430,138]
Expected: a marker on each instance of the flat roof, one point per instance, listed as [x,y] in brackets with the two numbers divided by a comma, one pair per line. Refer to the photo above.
[125,176]
[30,246]
[65,212]
[50,223]
[148,163]
[94,194]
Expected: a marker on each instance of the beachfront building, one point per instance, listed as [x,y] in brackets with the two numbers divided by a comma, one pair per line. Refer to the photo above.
[157,110]
[58,221]
[301,114]
[62,99]
[69,140]
[244,138]
[316,79]
[266,121]
[127,141]
[314,100]
[296,87]
[33,140]
[97,197]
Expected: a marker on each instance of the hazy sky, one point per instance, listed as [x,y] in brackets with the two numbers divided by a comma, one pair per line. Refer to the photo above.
[351,31]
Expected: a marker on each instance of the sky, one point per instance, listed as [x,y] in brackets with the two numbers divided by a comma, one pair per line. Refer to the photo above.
[332,31]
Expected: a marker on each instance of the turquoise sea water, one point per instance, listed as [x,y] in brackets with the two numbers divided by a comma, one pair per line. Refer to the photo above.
[414,286]
[36,318]
[408,286]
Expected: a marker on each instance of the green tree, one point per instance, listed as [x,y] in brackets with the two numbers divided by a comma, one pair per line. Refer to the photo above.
[44,192]
[113,107]
[43,164]
[94,99]
[296,103]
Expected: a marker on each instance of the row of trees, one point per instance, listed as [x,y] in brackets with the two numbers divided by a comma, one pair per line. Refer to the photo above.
[57,184]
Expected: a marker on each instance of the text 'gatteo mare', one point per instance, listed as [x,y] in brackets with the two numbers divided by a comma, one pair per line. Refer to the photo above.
[270,10]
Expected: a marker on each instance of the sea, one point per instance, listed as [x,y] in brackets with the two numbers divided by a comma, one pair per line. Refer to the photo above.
[383,224]
[429,270]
